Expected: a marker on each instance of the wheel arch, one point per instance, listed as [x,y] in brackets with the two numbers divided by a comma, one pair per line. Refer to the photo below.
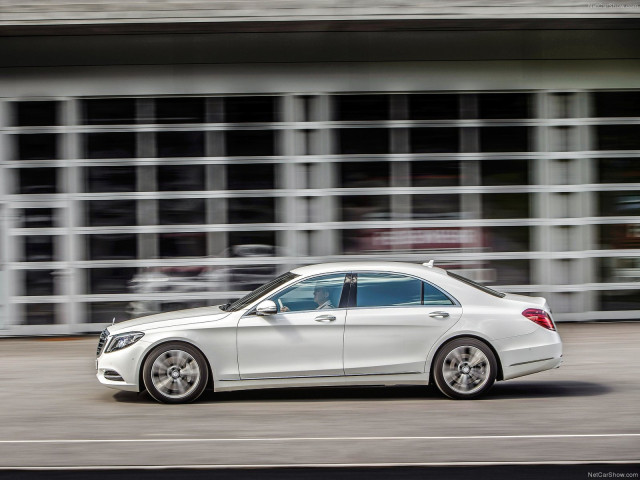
[153,346]
[465,335]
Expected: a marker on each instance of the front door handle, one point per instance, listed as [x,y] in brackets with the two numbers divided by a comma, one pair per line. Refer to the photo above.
[325,318]
[438,314]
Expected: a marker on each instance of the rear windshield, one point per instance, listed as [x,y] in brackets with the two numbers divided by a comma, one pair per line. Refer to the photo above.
[260,291]
[473,284]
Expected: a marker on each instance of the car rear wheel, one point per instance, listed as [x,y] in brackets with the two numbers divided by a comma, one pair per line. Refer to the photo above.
[465,368]
[175,373]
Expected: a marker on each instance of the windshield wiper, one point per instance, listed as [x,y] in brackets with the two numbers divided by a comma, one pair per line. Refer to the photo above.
[225,306]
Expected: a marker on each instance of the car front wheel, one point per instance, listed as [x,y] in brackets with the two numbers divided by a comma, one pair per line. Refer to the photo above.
[465,368]
[175,373]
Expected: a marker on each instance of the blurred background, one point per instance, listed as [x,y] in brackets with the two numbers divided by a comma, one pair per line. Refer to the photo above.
[163,155]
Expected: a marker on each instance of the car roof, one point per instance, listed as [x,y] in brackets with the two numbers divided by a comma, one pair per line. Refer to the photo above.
[380,266]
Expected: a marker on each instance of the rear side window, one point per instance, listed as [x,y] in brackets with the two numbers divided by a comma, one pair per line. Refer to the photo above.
[432,296]
[388,290]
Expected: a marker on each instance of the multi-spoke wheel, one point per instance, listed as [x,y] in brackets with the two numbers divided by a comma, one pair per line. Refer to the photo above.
[465,368]
[175,373]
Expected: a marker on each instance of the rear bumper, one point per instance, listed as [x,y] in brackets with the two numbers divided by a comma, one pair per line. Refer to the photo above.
[532,353]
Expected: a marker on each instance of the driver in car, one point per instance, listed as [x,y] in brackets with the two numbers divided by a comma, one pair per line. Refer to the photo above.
[320,296]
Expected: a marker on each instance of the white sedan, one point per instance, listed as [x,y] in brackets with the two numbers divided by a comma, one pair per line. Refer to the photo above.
[374,323]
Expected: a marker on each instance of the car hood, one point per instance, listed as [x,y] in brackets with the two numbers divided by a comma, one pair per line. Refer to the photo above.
[179,317]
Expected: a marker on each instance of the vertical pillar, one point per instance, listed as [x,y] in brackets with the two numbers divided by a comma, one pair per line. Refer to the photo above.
[216,178]
[470,203]
[324,209]
[291,176]
[71,279]
[147,209]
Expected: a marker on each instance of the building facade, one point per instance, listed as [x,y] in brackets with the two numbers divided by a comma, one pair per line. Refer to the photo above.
[153,166]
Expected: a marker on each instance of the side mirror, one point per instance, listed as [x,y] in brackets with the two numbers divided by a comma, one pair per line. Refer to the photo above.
[266,307]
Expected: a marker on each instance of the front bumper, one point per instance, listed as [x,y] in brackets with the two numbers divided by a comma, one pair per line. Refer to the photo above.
[125,363]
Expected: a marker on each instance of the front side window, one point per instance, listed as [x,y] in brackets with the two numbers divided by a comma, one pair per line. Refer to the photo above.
[317,293]
[260,291]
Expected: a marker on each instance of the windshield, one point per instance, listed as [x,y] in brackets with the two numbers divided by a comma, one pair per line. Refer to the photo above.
[485,289]
[260,291]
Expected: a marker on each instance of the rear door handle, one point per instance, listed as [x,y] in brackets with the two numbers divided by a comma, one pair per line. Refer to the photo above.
[325,318]
[438,314]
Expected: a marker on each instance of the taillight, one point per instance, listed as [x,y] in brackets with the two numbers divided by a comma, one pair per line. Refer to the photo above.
[540,317]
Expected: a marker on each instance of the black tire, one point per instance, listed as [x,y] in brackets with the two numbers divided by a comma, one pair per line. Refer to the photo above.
[175,372]
[465,368]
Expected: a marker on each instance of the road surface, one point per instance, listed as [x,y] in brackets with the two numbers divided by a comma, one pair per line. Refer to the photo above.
[56,414]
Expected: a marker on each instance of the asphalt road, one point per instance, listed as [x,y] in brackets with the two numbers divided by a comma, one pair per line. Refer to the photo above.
[56,414]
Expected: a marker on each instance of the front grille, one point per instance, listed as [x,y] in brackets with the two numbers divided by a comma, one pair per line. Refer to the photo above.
[103,338]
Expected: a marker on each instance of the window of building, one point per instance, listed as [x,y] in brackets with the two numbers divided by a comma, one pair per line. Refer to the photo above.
[505,205]
[618,137]
[112,246]
[618,170]
[111,179]
[188,244]
[180,144]
[36,146]
[357,208]
[38,248]
[180,110]
[263,241]
[504,139]
[362,140]
[181,177]
[509,172]
[507,272]
[251,210]
[433,107]
[617,104]
[613,300]
[440,206]
[31,114]
[250,109]
[110,280]
[180,211]
[250,177]
[39,282]
[505,239]
[619,236]
[435,174]
[38,180]
[364,174]
[110,145]
[40,314]
[105,213]
[361,107]
[504,105]
[250,143]
[109,111]
[105,312]
[38,217]
[619,203]
[434,140]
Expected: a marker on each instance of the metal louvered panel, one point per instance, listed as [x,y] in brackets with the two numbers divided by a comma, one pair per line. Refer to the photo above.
[101,341]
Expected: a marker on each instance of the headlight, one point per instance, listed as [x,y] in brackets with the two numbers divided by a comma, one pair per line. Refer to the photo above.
[118,342]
